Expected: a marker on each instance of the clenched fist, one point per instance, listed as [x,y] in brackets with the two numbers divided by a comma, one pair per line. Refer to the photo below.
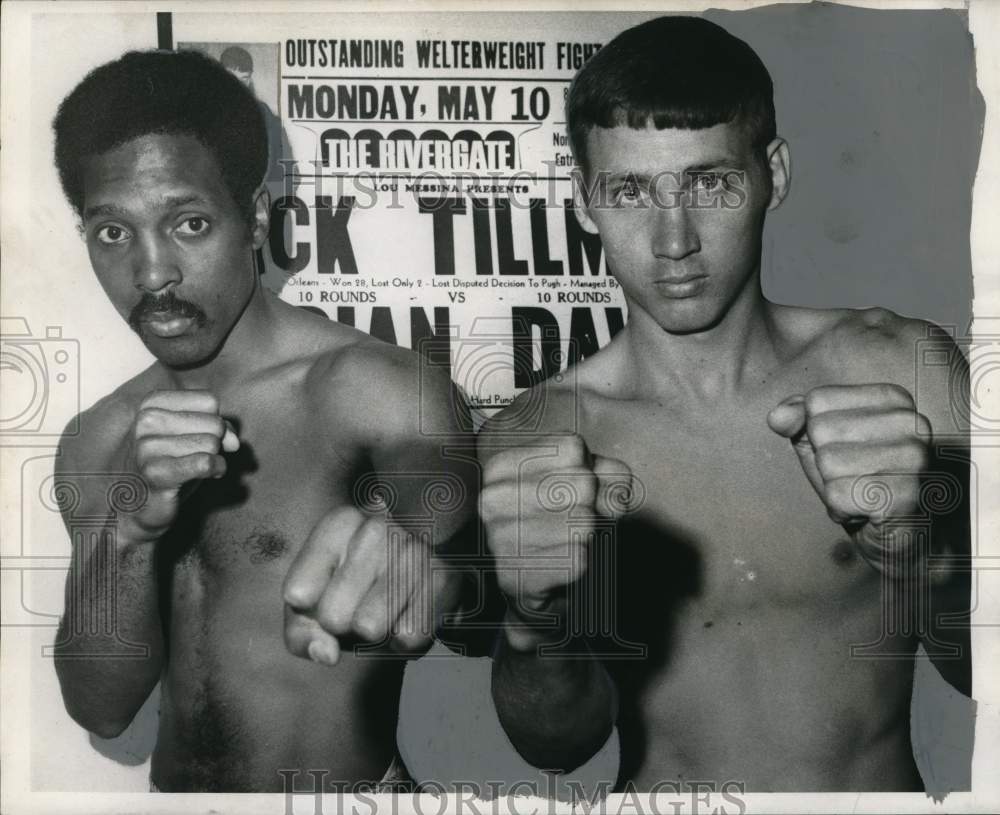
[362,576]
[540,504]
[176,439]
[865,450]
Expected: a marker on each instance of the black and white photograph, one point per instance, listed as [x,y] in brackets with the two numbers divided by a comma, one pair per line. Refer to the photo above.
[454,407]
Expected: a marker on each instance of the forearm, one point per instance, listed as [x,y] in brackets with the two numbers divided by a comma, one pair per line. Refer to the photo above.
[946,637]
[557,710]
[109,649]
[926,573]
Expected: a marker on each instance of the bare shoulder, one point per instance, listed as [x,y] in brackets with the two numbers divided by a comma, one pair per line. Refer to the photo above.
[877,345]
[91,455]
[893,347]
[857,343]
[883,337]
[382,391]
[548,409]
[101,428]
[557,406]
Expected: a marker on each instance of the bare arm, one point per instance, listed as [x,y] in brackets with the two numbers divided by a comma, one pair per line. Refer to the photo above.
[109,646]
[386,568]
[109,651]
[419,441]
[946,635]
[942,394]
[556,710]
[557,705]
[424,453]
[889,458]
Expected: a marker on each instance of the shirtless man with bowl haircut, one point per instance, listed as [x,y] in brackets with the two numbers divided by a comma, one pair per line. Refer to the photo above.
[781,476]
[257,440]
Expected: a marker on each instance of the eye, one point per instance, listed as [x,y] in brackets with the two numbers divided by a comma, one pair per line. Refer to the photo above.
[112,234]
[629,191]
[707,182]
[195,225]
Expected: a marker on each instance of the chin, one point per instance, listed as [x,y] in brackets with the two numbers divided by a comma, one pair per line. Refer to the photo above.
[687,320]
[181,352]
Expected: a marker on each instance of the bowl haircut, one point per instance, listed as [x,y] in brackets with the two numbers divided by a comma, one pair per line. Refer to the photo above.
[672,72]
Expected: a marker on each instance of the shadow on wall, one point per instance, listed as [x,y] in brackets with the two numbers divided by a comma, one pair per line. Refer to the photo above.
[135,745]
[942,729]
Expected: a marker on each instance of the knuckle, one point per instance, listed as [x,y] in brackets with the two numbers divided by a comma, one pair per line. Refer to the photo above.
[334,530]
[203,463]
[897,392]
[293,593]
[576,568]
[507,582]
[837,495]
[572,448]
[299,633]
[494,499]
[826,459]
[151,471]
[408,640]
[369,625]
[921,455]
[500,538]
[574,473]
[332,618]
[152,398]
[296,644]
[148,419]
[499,467]
[488,494]
[489,509]
[371,534]
[822,430]
[586,488]
[211,401]
[144,448]
[816,400]
[207,442]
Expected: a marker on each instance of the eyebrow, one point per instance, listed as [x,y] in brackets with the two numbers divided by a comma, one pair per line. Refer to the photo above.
[168,202]
[629,175]
[103,209]
[712,164]
[701,167]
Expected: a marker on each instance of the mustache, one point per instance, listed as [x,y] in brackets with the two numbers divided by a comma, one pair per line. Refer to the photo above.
[168,303]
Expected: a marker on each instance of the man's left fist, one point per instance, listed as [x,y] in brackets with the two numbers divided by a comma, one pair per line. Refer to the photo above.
[848,439]
[358,576]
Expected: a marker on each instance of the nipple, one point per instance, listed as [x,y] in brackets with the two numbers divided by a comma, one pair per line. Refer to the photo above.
[746,575]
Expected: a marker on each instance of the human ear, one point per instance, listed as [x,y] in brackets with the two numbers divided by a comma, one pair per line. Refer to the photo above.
[261,217]
[779,165]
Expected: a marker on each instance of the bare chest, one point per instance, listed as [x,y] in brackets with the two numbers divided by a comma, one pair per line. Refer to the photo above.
[728,518]
[281,481]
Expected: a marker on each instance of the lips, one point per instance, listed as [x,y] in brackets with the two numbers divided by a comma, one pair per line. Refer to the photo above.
[167,324]
[681,287]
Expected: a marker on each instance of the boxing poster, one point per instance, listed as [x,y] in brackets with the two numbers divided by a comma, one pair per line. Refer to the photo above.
[420,180]
[421,190]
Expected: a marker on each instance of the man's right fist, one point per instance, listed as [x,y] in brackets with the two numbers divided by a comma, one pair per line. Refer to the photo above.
[540,504]
[176,439]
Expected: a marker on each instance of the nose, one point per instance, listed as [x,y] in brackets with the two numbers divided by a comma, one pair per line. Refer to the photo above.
[675,233]
[156,267]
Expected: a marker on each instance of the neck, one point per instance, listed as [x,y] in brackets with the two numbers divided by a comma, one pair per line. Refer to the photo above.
[706,365]
[247,345]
